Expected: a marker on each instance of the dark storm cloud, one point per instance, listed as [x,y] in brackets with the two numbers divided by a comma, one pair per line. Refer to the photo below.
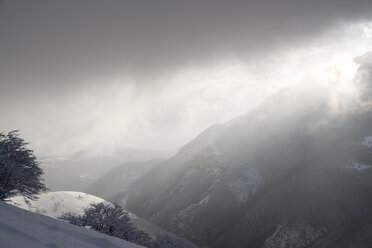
[48,43]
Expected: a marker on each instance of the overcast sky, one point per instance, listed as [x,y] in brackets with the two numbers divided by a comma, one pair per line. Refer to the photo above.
[98,75]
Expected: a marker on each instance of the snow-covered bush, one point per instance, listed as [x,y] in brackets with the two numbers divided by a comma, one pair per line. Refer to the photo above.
[19,170]
[112,220]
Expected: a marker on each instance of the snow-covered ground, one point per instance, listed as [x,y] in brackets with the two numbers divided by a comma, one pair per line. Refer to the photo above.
[21,228]
[56,203]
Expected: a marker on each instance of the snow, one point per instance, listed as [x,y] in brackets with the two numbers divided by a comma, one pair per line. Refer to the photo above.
[189,212]
[193,207]
[296,235]
[367,141]
[56,203]
[182,220]
[359,167]
[21,228]
[216,172]
[204,201]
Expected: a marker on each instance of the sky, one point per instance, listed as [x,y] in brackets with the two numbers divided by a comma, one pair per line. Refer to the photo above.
[100,75]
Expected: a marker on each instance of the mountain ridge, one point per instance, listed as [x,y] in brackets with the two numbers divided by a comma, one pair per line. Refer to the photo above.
[288,168]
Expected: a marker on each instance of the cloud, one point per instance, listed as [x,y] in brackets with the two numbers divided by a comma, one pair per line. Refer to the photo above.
[155,73]
[51,43]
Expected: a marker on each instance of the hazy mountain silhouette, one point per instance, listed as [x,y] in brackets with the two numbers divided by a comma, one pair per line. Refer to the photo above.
[293,172]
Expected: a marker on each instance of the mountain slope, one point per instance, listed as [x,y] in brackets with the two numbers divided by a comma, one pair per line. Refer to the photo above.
[21,228]
[78,171]
[114,184]
[289,173]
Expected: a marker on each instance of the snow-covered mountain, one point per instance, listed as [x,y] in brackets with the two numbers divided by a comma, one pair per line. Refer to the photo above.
[21,228]
[293,172]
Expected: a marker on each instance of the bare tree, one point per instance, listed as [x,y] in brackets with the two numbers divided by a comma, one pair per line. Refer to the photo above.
[109,219]
[19,170]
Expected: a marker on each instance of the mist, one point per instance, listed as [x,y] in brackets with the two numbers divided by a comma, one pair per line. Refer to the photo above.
[86,75]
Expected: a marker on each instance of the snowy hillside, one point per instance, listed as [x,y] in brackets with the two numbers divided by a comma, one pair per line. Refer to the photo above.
[21,228]
[54,204]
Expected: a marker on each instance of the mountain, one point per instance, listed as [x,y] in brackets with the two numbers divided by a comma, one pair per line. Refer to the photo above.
[76,172]
[21,228]
[294,172]
[114,184]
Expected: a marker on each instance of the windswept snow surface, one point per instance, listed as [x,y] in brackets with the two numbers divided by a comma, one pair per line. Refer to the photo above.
[54,204]
[20,228]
